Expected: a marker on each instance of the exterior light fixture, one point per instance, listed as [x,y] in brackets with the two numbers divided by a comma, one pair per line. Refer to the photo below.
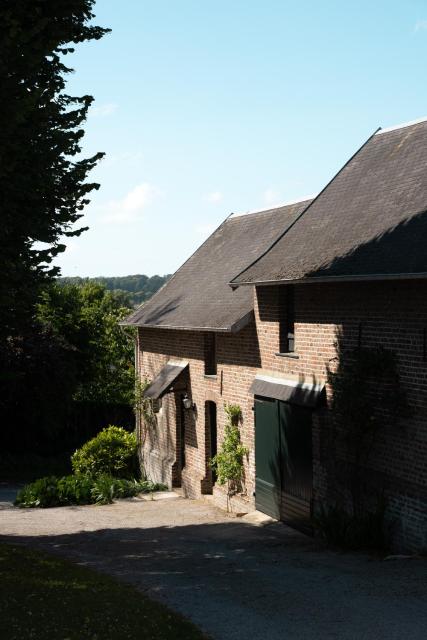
[187,402]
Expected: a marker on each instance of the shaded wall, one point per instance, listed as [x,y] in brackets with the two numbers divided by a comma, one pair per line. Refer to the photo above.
[388,314]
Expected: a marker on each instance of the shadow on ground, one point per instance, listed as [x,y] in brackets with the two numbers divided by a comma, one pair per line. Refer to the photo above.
[235,580]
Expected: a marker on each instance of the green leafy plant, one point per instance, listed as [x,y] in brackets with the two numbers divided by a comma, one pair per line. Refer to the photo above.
[339,528]
[143,407]
[103,470]
[81,489]
[228,462]
[105,488]
[74,489]
[54,492]
[112,451]
[41,493]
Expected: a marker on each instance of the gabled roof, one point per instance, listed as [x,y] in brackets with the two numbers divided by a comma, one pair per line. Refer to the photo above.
[369,222]
[198,295]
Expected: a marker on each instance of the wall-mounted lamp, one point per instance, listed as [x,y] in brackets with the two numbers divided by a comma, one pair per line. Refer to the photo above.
[188,403]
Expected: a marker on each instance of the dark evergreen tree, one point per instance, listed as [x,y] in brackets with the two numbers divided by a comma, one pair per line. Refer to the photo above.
[43,187]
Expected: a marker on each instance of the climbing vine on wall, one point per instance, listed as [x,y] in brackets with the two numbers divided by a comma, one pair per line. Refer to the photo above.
[229,461]
[144,409]
[367,402]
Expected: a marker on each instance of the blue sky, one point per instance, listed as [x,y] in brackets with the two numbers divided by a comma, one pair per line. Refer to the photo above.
[210,107]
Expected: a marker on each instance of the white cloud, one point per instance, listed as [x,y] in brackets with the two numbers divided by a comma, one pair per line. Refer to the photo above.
[215,196]
[131,206]
[103,110]
[421,25]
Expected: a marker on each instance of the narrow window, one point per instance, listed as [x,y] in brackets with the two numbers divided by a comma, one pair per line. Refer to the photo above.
[210,354]
[211,434]
[286,319]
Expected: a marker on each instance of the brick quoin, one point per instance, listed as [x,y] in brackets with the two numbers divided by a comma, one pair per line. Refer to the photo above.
[392,315]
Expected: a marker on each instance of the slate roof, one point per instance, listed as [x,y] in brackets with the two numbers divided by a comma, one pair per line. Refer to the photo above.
[369,222]
[198,295]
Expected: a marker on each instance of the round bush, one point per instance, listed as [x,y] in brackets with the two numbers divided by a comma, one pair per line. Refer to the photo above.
[112,451]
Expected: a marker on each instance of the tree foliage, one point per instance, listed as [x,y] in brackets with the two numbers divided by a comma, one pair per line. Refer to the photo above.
[137,288]
[86,318]
[43,180]
[75,355]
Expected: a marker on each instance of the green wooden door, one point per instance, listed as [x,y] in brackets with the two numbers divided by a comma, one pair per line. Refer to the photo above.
[283,461]
[297,464]
[267,457]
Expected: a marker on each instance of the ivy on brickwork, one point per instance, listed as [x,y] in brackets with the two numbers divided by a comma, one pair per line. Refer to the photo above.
[144,407]
[367,401]
[367,397]
[228,462]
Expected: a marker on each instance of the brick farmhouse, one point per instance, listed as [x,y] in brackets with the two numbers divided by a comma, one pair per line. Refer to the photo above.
[312,317]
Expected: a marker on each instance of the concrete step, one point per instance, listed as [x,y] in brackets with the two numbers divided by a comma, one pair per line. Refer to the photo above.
[258,518]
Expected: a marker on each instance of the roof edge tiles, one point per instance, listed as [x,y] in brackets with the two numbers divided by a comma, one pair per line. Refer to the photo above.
[368,223]
[404,125]
[197,297]
[234,328]
[235,282]
[422,275]
[233,216]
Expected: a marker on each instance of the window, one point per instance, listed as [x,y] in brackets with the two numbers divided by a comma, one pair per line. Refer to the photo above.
[210,354]
[286,319]
[211,434]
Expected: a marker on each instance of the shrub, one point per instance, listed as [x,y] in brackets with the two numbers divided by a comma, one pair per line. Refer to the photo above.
[112,452]
[348,531]
[81,489]
[41,493]
[55,492]
[106,488]
[75,490]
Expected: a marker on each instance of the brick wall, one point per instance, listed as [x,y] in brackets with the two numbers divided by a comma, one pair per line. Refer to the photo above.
[238,358]
[393,315]
[390,314]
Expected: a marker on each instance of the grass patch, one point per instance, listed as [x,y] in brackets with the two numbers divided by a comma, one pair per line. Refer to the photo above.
[47,598]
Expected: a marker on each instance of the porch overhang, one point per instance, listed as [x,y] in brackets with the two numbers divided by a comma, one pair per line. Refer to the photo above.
[304,394]
[165,379]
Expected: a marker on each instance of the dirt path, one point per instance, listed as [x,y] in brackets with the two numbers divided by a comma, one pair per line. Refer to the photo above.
[231,578]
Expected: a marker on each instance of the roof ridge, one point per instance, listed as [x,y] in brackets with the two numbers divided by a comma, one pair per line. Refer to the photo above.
[233,284]
[401,126]
[289,203]
[165,284]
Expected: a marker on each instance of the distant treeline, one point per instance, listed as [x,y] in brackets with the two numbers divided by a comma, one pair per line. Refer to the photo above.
[138,288]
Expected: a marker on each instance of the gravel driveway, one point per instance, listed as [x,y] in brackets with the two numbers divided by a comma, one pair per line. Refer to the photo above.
[230,577]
